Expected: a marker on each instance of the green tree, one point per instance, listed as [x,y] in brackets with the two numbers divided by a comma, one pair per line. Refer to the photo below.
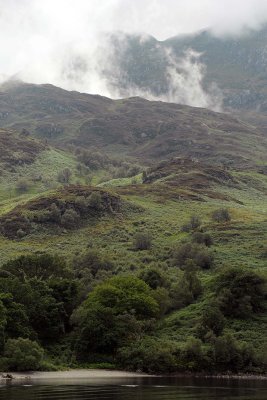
[41,266]
[212,322]
[149,355]
[113,313]
[153,277]
[188,288]
[240,292]
[23,355]
[199,254]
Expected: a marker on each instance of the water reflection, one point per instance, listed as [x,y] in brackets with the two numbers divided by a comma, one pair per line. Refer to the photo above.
[138,388]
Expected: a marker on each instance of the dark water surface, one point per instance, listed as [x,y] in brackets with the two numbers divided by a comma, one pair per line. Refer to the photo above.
[136,388]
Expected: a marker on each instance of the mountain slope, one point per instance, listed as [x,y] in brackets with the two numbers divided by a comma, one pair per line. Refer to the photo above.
[131,127]
[236,64]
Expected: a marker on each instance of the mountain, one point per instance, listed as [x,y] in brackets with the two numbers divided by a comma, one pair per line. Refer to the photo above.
[138,128]
[236,64]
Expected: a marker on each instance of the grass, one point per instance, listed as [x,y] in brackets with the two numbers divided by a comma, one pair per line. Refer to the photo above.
[240,242]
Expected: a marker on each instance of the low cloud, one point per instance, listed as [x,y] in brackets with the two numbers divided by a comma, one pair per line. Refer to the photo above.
[63,42]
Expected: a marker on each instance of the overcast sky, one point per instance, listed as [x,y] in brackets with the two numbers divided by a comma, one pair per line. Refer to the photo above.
[34,33]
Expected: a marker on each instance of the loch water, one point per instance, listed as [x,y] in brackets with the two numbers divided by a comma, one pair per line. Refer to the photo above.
[151,388]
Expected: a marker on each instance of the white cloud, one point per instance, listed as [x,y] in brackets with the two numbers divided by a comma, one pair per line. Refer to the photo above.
[49,40]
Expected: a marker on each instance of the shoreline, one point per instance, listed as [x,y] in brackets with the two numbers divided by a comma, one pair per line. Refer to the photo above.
[81,374]
[71,374]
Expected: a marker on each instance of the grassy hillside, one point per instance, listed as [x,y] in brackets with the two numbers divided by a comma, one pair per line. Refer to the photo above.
[160,268]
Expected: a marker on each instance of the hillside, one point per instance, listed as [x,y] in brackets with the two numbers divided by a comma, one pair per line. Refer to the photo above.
[128,229]
[136,128]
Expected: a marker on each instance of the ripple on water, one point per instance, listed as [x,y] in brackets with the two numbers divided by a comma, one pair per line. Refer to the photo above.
[129,392]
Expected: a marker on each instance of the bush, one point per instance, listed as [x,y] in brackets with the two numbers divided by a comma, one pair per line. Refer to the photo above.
[202,238]
[90,263]
[23,355]
[212,322]
[64,175]
[95,200]
[232,355]
[149,355]
[240,292]
[41,266]
[142,241]
[193,356]
[23,185]
[187,290]
[199,254]
[193,224]
[221,215]
[153,277]
[70,219]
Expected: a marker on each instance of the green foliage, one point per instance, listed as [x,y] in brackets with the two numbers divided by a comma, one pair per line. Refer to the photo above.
[240,292]
[113,314]
[202,238]
[212,322]
[197,253]
[89,263]
[64,176]
[187,289]
[41,266]
[95,201]
[70,219]
[192,224]
[142,241]
[149,355]
[193,356]
[39,296]
[221,215]
[153,277]
[232,355]
[22,355]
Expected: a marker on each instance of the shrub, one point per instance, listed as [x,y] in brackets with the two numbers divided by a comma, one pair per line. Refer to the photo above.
[95,200]
[212,322]
[193,356]
[202,238]
[23,185]
[70,219]
[187,290]
[192,224]
[91,262]
[232,355]
[149,355]
[41,266]
[221,215]
[142,241]
[240,292]
[199,254]
[54,213]
[153,277]
[23,355]
[64,175]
